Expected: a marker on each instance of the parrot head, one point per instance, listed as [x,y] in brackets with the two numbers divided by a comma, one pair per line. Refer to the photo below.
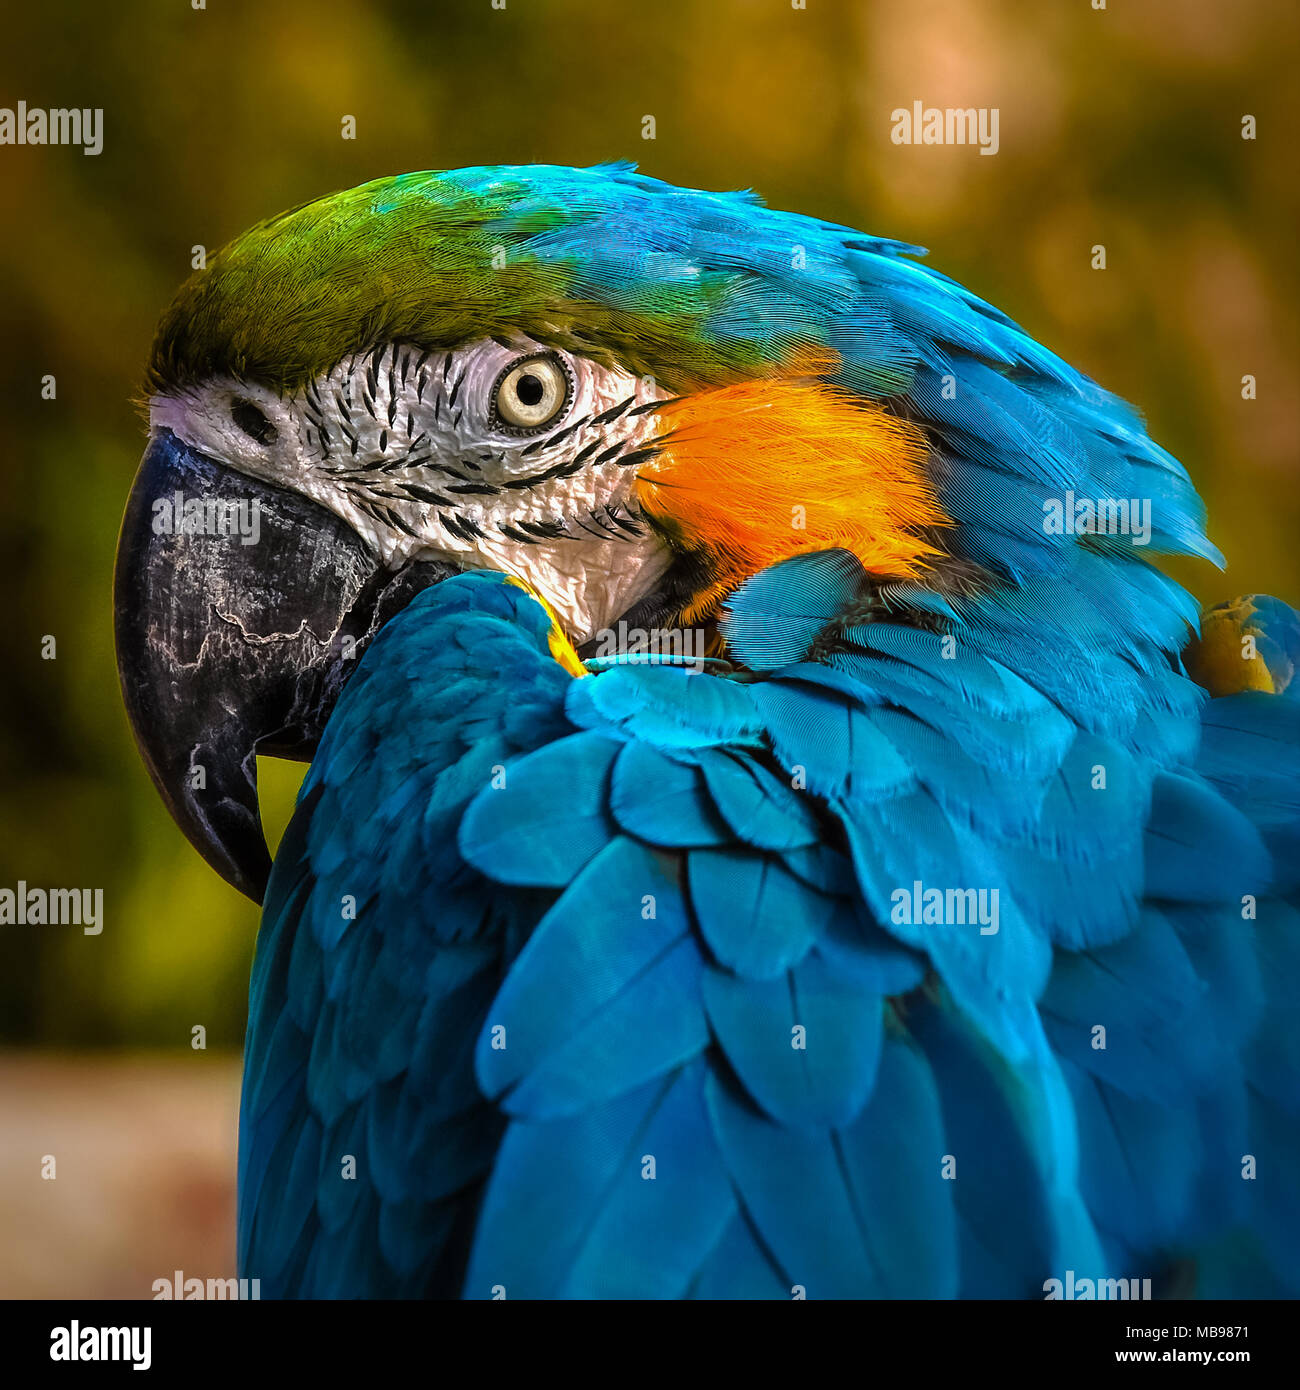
[629,396]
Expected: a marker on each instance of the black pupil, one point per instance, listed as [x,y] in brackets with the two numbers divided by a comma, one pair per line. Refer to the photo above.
[529,389]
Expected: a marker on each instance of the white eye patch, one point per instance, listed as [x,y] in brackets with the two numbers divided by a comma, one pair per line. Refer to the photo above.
[504,455]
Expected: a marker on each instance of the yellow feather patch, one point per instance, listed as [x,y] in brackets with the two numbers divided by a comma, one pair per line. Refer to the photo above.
[561,648]
[758,472]
[1222,661]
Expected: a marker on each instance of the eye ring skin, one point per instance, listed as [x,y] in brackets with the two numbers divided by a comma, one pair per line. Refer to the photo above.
[505,426]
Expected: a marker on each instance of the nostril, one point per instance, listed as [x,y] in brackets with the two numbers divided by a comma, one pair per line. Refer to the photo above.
[252,421]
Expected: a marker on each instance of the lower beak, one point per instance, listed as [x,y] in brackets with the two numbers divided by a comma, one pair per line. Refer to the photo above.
[240,610]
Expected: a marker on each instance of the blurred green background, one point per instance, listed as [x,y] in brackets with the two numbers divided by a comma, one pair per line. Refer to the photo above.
[1120,127]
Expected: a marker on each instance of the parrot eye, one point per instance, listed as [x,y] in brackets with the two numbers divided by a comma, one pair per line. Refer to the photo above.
[530,393]
[252,421]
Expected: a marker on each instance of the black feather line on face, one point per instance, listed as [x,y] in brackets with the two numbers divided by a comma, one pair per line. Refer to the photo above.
[613,412]
[544,530]
[582,526]
[640,456]
[424,494]
[569,429]
[568,468]
[628,523]
[370,508]
[604,526]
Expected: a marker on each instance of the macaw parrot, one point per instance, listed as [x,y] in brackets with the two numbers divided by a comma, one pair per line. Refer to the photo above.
[770,830]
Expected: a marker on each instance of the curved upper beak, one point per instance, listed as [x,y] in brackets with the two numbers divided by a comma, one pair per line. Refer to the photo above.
[240,609]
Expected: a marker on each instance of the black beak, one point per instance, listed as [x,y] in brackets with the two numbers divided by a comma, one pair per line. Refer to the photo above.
[240,610]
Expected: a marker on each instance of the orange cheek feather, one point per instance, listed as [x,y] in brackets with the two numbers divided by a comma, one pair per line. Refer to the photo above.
[758,472]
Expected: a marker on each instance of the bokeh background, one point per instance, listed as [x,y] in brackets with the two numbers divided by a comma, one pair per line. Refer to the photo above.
[1120,126]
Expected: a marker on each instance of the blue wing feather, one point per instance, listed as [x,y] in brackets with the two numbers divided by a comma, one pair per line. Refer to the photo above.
[711,1058]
